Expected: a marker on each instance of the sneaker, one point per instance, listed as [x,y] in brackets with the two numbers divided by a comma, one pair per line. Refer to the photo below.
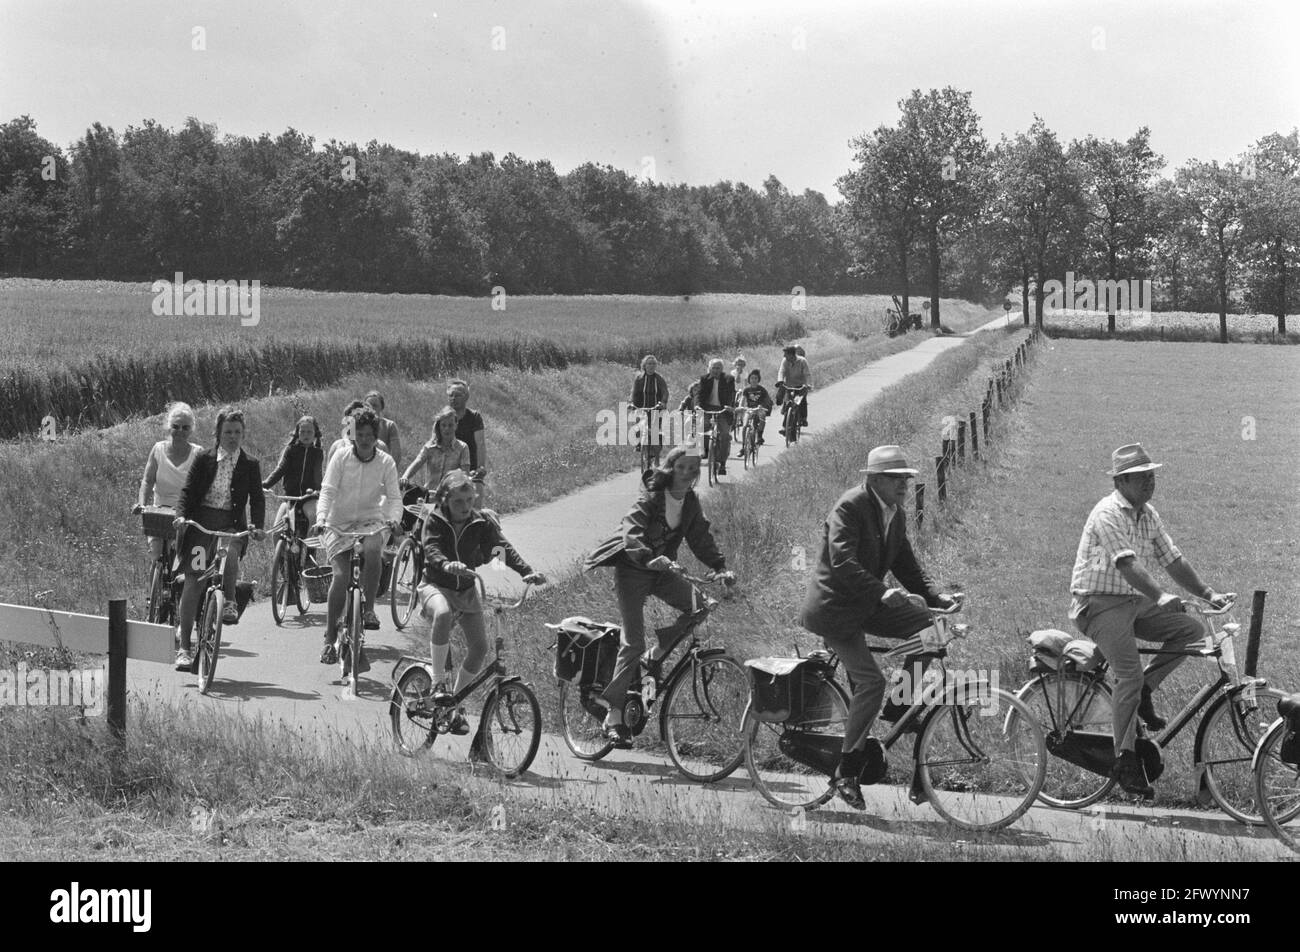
[369,620]
[1131,776]
[184,660]
[619,736]
[328,654]
[231,614]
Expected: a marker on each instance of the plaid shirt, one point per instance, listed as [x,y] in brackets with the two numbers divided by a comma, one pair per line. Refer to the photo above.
[1113,532]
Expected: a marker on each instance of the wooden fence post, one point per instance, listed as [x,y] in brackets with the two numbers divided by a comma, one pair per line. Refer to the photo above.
[1252,639]
[116,710]
[988,408]
[961,441]
[974,437]
[920,505]
[940,470]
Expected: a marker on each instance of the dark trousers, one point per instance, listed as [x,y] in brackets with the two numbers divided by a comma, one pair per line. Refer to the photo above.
[866,680]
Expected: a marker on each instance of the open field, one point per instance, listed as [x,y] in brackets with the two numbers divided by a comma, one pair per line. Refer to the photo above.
[1169,326]
[128,362]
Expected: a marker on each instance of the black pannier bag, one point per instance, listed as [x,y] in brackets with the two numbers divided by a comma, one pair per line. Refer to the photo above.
[585,651]
[781,689]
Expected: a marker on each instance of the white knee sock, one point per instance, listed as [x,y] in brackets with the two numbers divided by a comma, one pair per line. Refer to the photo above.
[440,660]
[463,677]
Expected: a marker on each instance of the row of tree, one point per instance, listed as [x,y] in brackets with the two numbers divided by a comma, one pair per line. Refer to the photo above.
[932,204]
[929,205]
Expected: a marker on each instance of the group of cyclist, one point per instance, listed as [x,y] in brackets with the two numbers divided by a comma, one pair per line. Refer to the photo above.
[719,394]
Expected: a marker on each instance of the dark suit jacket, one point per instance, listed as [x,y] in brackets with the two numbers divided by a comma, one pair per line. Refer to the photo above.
[845,589]
[726,389]
[245,487]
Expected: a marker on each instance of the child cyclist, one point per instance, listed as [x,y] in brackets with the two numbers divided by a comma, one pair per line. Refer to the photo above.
[756,399]
[458,539]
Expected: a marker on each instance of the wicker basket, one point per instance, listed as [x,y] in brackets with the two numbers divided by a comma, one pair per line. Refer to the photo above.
[317,582]
[158,522]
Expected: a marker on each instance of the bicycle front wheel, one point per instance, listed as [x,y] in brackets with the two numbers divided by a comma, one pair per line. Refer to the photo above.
[157,585]
[411,713]
[1277,787]
[980,768]
[402,597]
[584,732]
[280,575]
[511,728]
[702,716]
[1225,748]
[210,637]
[1064,702]
[780,779]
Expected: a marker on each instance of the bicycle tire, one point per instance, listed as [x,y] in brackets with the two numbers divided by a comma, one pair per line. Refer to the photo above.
[584,734]
[154,598]
[791,423]
[781,781]
[210,638]
[981,771]
[1051,698]
[703,716]
[511,728]
[402,595]
[1226,740]
[1277,787]
[352,640]
[301,597]
[280,572]
[414,729]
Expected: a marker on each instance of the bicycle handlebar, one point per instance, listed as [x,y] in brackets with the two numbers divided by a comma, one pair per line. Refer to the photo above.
[1207,609]
[358,535]
[311,495]
[218,534]
[497,601]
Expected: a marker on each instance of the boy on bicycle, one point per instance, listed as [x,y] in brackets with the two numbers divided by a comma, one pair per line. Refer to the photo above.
[755,398]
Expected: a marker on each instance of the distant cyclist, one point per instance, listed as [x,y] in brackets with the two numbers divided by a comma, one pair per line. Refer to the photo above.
[359,493]
[793,374]
[470,431]
[718,392]
[387,431]
[756,399]
[302,467]
[168,467]
[650,392]
[441,455]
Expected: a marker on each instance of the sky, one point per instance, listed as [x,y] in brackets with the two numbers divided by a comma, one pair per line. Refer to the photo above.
[681,91]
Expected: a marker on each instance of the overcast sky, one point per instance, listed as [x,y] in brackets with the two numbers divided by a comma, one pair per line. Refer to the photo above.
[722,90]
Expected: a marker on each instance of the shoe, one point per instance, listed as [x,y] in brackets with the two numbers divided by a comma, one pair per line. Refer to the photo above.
[761,441]
[459,724]
[1147,711]
[848,790]
[781,431]
[875,769]
[722,469]
[328,655]
[619,736]
[369,620]
[231,614]
[184,660]
[1131,776]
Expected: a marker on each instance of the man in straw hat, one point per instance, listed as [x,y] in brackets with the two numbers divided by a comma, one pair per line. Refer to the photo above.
[1116,600]
[865,537]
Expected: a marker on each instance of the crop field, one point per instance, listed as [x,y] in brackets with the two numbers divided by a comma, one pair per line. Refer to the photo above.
[1171,325]
[94,353]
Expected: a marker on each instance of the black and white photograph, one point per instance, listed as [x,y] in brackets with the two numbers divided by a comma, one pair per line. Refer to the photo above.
[611,431]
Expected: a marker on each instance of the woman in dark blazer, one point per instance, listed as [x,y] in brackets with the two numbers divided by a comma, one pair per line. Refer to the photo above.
[222,482]
[667,513]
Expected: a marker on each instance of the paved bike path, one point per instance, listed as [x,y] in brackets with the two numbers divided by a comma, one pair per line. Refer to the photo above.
[271,672]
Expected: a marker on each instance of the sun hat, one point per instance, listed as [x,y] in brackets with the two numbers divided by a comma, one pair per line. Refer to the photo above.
[887,460]
[1131,459]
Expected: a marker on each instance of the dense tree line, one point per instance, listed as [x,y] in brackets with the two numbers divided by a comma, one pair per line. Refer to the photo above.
[929,207]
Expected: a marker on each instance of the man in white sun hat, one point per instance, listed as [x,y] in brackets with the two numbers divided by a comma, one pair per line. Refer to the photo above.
[865,538]
[1116,600]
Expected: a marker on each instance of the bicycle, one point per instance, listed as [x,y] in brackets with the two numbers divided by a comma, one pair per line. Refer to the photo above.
[164,590]
[974,772]
[794,399]
[703,700]
[1075,711]
[351,631]
[648,450]
[510,723]
[712,448]
[408,567]
[209,620]
[1277,773]
[287,564]
[748,437]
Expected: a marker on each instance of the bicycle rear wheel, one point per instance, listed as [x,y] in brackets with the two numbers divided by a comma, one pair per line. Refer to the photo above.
[403,596]
[702,718]
[210,637]
[780,779]
[412,717]
[1225,749]
[1277,787]
[981,769]
[511,728]
[281,572]
[583,730]
[1068,701]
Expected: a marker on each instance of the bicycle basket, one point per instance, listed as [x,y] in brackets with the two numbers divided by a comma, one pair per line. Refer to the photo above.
[158,522]
[317,582]
[585,651]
